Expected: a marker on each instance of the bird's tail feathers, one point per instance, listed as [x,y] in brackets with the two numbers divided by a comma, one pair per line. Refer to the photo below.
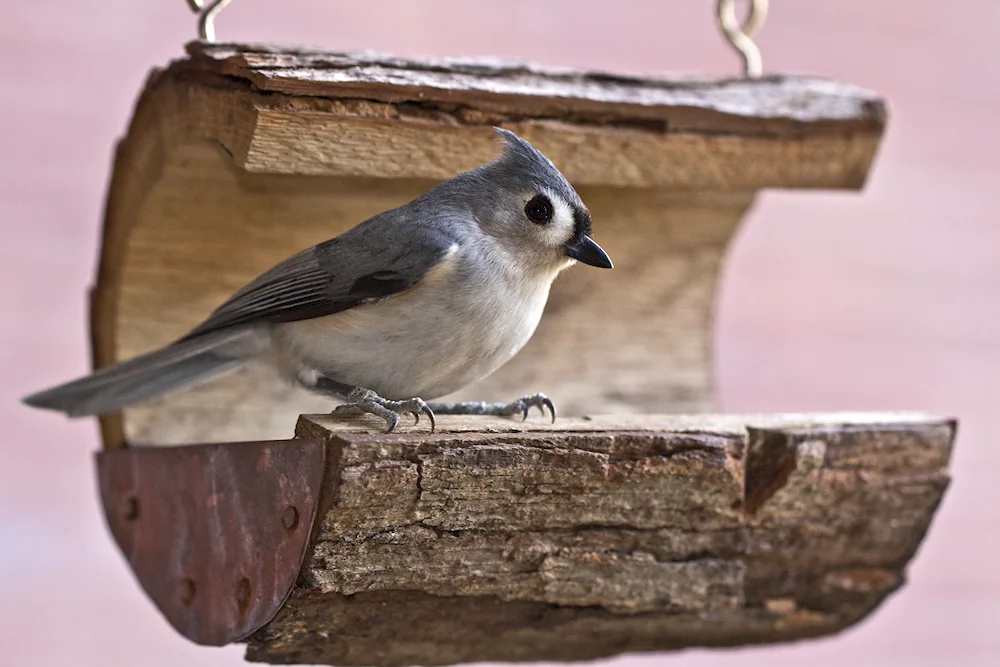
[187,362]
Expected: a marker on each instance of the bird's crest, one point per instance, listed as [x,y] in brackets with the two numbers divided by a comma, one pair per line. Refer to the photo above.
[523,162]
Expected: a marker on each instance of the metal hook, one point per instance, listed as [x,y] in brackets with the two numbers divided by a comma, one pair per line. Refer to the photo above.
[740,35]
[207,11]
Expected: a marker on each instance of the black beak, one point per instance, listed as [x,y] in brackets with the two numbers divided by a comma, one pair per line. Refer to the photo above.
[590,253]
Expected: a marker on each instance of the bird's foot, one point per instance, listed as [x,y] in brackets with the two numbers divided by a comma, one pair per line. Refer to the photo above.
[520,406]
[365,401]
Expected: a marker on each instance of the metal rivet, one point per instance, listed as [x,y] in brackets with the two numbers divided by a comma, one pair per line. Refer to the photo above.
[130,508]
[187,592]
[290,517]
[243,593]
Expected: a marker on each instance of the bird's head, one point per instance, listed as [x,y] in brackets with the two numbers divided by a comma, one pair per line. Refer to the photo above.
[524,201]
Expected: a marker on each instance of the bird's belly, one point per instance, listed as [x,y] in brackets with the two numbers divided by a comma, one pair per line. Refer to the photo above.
[414,344]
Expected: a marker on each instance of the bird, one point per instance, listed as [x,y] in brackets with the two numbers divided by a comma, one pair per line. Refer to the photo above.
[410,305]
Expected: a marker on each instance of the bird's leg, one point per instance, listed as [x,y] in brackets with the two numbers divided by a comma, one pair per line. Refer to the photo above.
[520,406]
[365,401]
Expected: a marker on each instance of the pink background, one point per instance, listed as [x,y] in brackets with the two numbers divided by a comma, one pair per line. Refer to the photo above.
[885,299]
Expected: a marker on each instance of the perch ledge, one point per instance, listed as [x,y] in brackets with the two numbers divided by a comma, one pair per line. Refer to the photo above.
[492,540]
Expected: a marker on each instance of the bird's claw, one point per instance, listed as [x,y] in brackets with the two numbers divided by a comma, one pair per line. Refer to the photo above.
[415,406]
[540,401]
[364,401]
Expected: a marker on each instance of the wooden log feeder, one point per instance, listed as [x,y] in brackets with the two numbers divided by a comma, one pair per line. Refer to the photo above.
[652,526]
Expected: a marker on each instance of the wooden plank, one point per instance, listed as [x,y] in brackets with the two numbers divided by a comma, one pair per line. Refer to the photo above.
[786,106]
[355,115]
[296,142]
[492,540]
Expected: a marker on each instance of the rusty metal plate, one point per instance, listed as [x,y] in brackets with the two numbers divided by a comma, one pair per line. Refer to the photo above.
[216,534]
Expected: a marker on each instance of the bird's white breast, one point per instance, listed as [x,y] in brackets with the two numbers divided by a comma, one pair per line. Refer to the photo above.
[464,320]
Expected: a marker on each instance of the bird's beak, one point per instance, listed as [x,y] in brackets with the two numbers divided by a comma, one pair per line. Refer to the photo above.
[589,253]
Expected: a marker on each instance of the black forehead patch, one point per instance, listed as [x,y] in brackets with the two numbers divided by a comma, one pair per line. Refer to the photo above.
[581,224]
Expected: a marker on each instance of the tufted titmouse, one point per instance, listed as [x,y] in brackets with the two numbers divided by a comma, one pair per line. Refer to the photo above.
[418,301]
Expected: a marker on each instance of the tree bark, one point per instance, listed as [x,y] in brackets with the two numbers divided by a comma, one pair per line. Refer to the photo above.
[493,540]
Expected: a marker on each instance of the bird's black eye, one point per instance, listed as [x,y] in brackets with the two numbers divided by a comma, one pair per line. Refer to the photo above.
[539,210]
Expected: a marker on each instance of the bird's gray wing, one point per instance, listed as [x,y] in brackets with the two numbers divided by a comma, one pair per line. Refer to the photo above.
[371,262]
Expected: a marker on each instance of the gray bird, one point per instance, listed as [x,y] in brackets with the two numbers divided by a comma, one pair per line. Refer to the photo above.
[412,304]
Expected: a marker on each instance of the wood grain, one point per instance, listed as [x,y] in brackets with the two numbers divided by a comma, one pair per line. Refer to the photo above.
[498,541]
[238,157]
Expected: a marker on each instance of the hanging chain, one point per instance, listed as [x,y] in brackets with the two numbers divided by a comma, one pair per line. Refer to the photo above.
[207,10]
[739,36]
